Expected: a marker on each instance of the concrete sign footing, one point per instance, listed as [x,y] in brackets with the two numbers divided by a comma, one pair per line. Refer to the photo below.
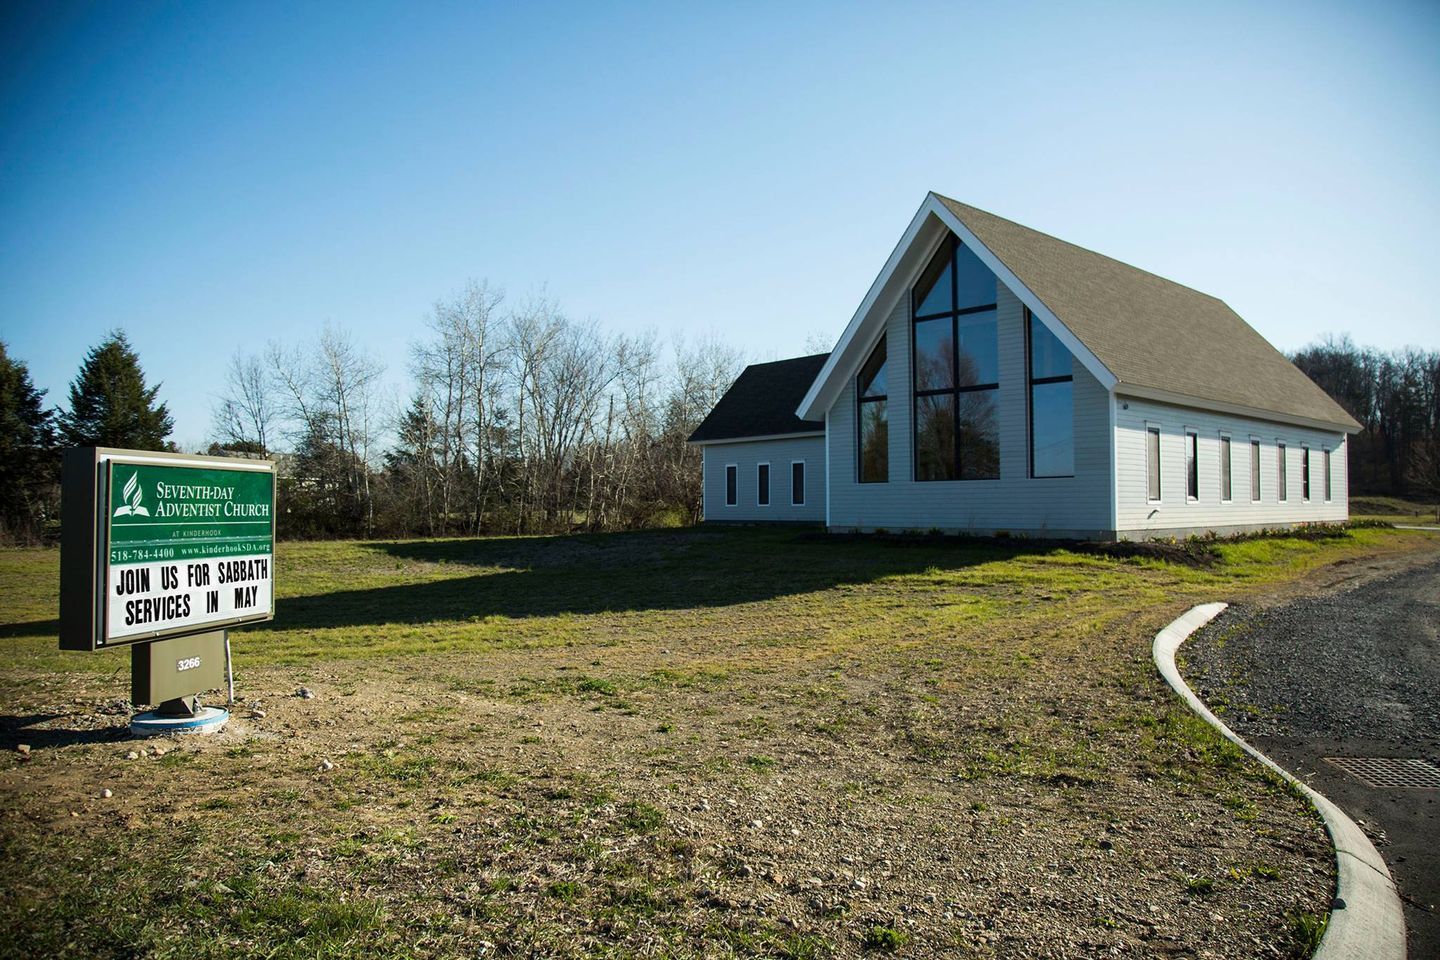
[152,724]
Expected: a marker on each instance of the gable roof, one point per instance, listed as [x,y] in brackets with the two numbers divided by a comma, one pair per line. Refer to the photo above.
[1138,333]
[762,402]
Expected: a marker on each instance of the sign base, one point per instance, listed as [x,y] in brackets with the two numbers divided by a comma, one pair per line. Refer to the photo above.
[156,724]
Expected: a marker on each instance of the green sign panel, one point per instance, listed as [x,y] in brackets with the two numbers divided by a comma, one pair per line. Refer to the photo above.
[187,547]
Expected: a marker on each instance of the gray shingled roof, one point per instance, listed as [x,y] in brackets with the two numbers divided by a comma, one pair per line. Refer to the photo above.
[762,402]
[1149,331]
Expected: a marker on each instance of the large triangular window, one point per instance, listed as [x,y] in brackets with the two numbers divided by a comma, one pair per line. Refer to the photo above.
[957,367]
[873,414]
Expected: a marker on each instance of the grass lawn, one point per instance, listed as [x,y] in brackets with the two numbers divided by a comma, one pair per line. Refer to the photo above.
[1394,510]
[682,743]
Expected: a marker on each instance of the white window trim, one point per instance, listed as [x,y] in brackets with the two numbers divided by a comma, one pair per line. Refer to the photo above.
[1230,467]
[768,484]
[1328,491]
[1282,471]
[1257,476]
[1188,433]
[1306,469]
[728,468]
[804,469]
[1159,460]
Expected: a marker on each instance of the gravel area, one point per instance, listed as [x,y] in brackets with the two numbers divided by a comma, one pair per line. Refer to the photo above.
[1362,662]
[1354,672]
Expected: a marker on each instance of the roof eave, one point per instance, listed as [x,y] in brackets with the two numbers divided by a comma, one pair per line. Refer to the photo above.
[1349,426]
[713,441]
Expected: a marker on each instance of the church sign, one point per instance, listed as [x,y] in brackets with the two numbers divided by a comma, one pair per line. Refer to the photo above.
[174,545]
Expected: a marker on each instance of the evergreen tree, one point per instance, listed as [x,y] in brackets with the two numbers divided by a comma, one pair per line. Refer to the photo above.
[110,406]
[28,456]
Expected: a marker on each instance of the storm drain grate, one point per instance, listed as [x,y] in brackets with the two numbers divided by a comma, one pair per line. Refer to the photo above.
[1391,772]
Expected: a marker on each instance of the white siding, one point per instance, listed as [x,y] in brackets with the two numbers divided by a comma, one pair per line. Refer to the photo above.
[747,455]
[1177,514]
[1079,505]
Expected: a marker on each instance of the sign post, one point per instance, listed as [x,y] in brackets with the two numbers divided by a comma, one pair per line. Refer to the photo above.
[162,552]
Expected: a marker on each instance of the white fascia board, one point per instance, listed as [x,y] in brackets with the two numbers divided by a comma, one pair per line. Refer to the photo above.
[1221,406]
[1007,276]
[822,391]
[827,385]
[768,436]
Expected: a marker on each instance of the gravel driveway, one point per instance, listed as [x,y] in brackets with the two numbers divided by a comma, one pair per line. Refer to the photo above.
[1354,672]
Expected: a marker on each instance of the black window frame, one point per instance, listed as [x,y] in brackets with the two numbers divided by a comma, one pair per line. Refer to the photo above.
[860,401]
[732,484]
[762,485]
[953,391]
[797,490]
[1304,473]
[1031,382]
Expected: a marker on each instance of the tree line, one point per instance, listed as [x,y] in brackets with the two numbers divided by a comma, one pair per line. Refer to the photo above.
[517,419]
[1395,395]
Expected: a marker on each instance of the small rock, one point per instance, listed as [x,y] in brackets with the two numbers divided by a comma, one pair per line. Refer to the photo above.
[326,765]
[158,751]
[305,693]
[1106,845]
[24,750]
[257,714]
[106,794]
[132,755]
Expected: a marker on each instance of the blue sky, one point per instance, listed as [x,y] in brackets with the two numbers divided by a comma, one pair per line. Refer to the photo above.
[212,176]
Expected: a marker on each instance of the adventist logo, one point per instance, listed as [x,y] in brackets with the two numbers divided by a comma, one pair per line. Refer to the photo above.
[132,497]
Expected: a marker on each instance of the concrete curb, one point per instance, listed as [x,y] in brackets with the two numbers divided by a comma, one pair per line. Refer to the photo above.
[1366,920]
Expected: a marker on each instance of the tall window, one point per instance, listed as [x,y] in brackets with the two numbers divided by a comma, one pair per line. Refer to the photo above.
[1192,465]
[1255,470]
[1052,403]
[762,485]
[797,483]
[1304,473]
[874,420]
[957,368]
[1327,476]
[1280,471]
[1152,464]
[731,484]
[1225,487]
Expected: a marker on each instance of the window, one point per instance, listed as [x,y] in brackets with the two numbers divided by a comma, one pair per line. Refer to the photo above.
[1052,403]
[1280,471]
[762,485]
[957,368]
[1192,465]
[1327,476]
[1225,486]
[731,484]
[1152,464]
[797,483]
[1304,473]
[1255,470]
[874,420]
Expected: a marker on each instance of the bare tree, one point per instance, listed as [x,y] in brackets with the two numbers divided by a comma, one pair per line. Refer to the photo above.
[701,374]
[247,413]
